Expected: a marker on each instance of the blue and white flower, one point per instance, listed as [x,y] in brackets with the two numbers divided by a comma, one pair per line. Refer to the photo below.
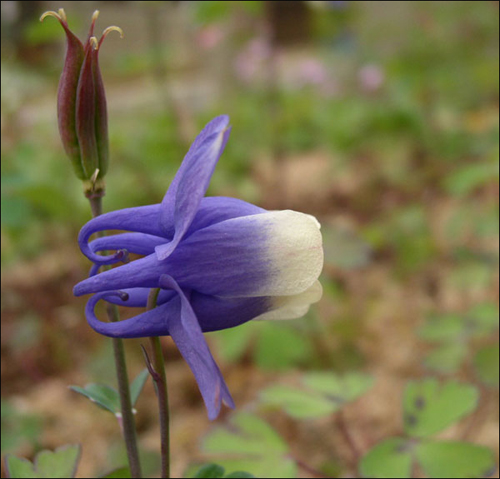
[219,262]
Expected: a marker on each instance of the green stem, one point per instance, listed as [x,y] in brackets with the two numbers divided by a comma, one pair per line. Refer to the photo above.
[160,378]
[128,420]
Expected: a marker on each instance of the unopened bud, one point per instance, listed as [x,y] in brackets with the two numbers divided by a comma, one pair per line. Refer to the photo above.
[81,106]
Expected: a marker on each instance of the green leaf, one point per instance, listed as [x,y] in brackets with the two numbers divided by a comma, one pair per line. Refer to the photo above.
[442,328]
[429,407]
[18,467]
[137,385]
[18,428]
[60,463]
[447,358]
[327,393]
[239,475]
[119,473]
[389,458]
[486,363]
[14,211]
[234,342]
[297,403]
[250,444]
[455,459]
[280,346]
[104,396]
[342,389]
[482,320]
[465,179]
[210,471]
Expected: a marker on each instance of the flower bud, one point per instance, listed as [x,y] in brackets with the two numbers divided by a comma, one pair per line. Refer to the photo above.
[81,106]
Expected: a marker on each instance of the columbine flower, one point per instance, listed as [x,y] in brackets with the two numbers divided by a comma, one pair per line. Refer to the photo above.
[218,261]
[81,105]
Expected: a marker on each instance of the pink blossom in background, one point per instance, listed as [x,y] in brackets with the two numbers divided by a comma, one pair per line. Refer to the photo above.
[312,71]
[250,64]
[371,77]
[209,37]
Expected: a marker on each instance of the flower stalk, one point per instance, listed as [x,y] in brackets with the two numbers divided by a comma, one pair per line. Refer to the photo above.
[128,420]
[160,379]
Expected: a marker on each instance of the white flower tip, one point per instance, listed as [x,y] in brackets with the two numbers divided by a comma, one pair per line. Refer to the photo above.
[295,249]
[295,306]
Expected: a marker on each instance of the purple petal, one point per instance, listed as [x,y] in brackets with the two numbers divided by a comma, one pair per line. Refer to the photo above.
[138,297]
[137,243]
[143,219]
[215,209]
[178,319]
[188,337]
[190,184]
[150,323]
[143,273]
[216,313]
[213,313]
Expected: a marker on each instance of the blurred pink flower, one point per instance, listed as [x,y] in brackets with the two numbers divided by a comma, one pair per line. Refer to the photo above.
[209,37]
[312,71]
[371,77]
[250,64]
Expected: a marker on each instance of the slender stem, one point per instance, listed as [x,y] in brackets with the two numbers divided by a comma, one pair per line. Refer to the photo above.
[356,453]
[160,378]
[309,469]
[128,420]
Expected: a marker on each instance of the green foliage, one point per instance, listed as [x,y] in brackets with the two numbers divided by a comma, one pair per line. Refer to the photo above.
[454,333]
[103,395]
[389,458]
[210,471]
[137,385]
[446,358]
[486,363]
[107,397]
[59,463]
[325,394]
[454,459]
[18,428]
[276,346]
[216,471]
[430,407]
[279,347]
[395,457]
[119,473]
[298,404]
[467,178]
[250,444]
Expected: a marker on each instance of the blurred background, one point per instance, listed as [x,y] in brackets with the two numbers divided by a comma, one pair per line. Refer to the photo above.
[379,118]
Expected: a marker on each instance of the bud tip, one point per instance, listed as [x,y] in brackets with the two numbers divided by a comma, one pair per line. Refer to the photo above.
[113,28]
[50,14]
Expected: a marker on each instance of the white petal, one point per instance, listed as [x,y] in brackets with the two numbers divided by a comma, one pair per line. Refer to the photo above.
[295,306]
[294,251]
